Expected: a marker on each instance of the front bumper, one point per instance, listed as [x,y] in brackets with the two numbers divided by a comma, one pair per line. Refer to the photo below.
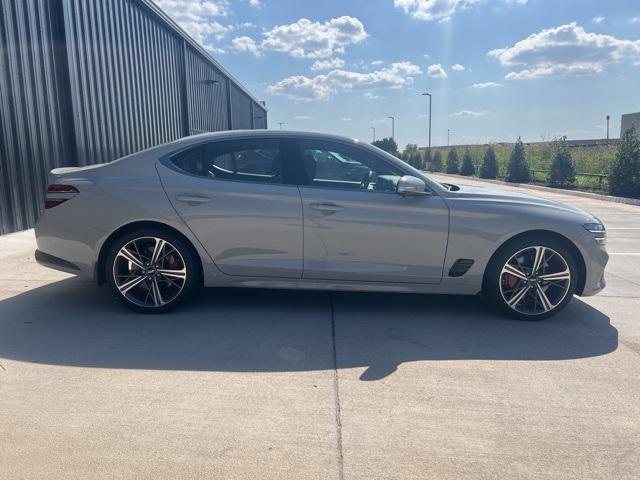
[595,259]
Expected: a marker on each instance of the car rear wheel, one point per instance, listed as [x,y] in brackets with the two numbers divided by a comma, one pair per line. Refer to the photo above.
[151,271]
[531,278]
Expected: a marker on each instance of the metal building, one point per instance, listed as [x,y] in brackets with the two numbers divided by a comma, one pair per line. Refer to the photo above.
[628,121]
[89,81]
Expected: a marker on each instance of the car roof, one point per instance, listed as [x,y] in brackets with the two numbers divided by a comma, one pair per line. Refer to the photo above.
[238,134]
[186,142]
[200,138]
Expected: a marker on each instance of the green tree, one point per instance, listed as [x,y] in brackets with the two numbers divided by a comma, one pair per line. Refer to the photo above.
[411,155]
[518,167]
[563,171]
[436,162]
[389,145]
[426,160]
[468,168]
[624,178]
[489,168]
[452,161]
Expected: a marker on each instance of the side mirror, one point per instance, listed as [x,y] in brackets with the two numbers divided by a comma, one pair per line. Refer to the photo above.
[409,185]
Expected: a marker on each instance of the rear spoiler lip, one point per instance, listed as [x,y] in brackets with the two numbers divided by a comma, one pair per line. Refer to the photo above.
[67,170]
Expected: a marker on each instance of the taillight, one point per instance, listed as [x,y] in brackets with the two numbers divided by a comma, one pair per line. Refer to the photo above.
[58,193]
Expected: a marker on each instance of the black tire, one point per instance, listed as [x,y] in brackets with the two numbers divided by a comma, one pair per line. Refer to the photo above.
[497,285]
[177,259]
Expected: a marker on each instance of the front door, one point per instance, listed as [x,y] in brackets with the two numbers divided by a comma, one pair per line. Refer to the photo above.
[235,198]
[357,228]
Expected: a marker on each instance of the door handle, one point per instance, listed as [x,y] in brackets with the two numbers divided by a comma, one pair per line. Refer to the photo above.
[326,208]
[192,199]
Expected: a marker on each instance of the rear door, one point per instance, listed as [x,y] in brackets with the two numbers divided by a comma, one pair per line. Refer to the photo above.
[358,228]
[237,199]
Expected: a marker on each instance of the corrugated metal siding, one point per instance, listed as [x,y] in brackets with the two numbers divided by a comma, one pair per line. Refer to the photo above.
[207,90]
[240,110]
[259,117]
[88,81]
[33,109]
[125,72]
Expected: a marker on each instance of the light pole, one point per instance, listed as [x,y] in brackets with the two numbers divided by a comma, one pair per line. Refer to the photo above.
[280,123]
[429,95]
[374,133]
[393,127]
[448,132]
[608,117]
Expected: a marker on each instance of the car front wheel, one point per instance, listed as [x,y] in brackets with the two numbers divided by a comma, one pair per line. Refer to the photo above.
[531,278]
[151,271]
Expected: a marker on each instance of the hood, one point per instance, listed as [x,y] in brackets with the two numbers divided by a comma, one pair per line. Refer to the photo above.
[499,196]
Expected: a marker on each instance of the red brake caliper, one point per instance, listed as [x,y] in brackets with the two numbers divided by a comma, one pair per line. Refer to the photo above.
[512,280]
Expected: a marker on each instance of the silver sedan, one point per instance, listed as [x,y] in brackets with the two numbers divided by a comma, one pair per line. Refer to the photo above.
[309,211]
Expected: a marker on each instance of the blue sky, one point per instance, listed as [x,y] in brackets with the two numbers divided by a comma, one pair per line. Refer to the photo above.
[497,69]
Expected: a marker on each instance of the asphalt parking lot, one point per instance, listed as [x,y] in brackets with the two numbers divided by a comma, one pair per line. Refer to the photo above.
[245,384]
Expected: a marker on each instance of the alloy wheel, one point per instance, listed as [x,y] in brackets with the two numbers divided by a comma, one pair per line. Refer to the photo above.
[535,280]
[149,272]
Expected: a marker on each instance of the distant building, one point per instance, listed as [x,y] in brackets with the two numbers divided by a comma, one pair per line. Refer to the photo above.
[630,120]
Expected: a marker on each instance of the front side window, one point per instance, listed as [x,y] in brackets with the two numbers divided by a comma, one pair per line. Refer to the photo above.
[340,166]
[258,160]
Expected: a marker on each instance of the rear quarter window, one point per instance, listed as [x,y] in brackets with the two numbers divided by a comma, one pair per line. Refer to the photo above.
[191,161]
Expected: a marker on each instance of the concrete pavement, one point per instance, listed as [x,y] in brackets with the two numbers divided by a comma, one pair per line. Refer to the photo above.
[265,384]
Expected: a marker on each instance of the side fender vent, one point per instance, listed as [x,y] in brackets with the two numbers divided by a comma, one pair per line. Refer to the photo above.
[460,267]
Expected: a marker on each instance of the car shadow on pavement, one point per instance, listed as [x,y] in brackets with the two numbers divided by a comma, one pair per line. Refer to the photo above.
[74,323]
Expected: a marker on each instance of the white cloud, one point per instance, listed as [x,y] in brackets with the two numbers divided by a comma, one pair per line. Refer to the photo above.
[345,119]
[327,64]
[436,71]
[565,50]
[377,62]
[245,44]
[302,117]
[322,86]
[432,10]
[554,71]
[483,85]
[468,114]
[457,68]
[196,18]
[307,39]
[189,10]
[635,19]
[372,96]
[440,10]
[299,87]
[255,3]
[598,19]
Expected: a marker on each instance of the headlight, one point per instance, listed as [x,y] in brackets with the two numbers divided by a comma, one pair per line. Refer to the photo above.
[598,230]
[595,227]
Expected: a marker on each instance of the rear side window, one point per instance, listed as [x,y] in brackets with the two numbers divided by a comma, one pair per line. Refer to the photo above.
[254,160]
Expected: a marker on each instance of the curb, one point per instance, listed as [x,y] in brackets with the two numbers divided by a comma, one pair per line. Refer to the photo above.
[574,193]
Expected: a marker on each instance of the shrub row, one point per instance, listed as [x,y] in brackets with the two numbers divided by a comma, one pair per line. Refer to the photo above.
[623,169]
